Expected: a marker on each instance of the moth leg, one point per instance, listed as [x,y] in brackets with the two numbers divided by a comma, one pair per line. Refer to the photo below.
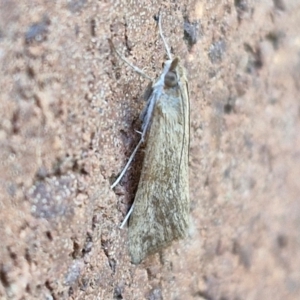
[144,112]
[146,121]
[128,164]
[139,132]
[136,69]
[127,217]
[163,38]
[145,126]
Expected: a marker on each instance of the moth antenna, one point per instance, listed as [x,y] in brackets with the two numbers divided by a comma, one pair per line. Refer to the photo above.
[136,69]
[163,38]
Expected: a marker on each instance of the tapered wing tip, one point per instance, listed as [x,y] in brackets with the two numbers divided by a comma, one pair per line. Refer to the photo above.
[136,256]
[136,261]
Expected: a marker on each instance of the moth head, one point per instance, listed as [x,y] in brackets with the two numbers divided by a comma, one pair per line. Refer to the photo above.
[171,79]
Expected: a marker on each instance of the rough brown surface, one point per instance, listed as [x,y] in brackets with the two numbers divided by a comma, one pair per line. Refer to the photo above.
[68,110]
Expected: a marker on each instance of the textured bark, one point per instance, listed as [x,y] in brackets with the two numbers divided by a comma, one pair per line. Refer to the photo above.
[68,111]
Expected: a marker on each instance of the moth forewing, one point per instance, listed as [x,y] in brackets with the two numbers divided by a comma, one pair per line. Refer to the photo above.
[161,204]
[160,212]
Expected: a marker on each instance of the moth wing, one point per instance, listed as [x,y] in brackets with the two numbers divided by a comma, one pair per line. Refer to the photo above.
[161,205]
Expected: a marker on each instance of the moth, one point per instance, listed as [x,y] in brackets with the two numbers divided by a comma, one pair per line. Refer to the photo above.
[160,211]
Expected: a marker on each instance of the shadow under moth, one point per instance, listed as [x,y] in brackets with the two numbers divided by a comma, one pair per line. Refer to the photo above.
[160,211]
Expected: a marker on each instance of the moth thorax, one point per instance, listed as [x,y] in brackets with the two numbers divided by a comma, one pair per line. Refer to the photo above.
[171,79]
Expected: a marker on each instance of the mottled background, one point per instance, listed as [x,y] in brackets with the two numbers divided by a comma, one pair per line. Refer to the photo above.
[68,111]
